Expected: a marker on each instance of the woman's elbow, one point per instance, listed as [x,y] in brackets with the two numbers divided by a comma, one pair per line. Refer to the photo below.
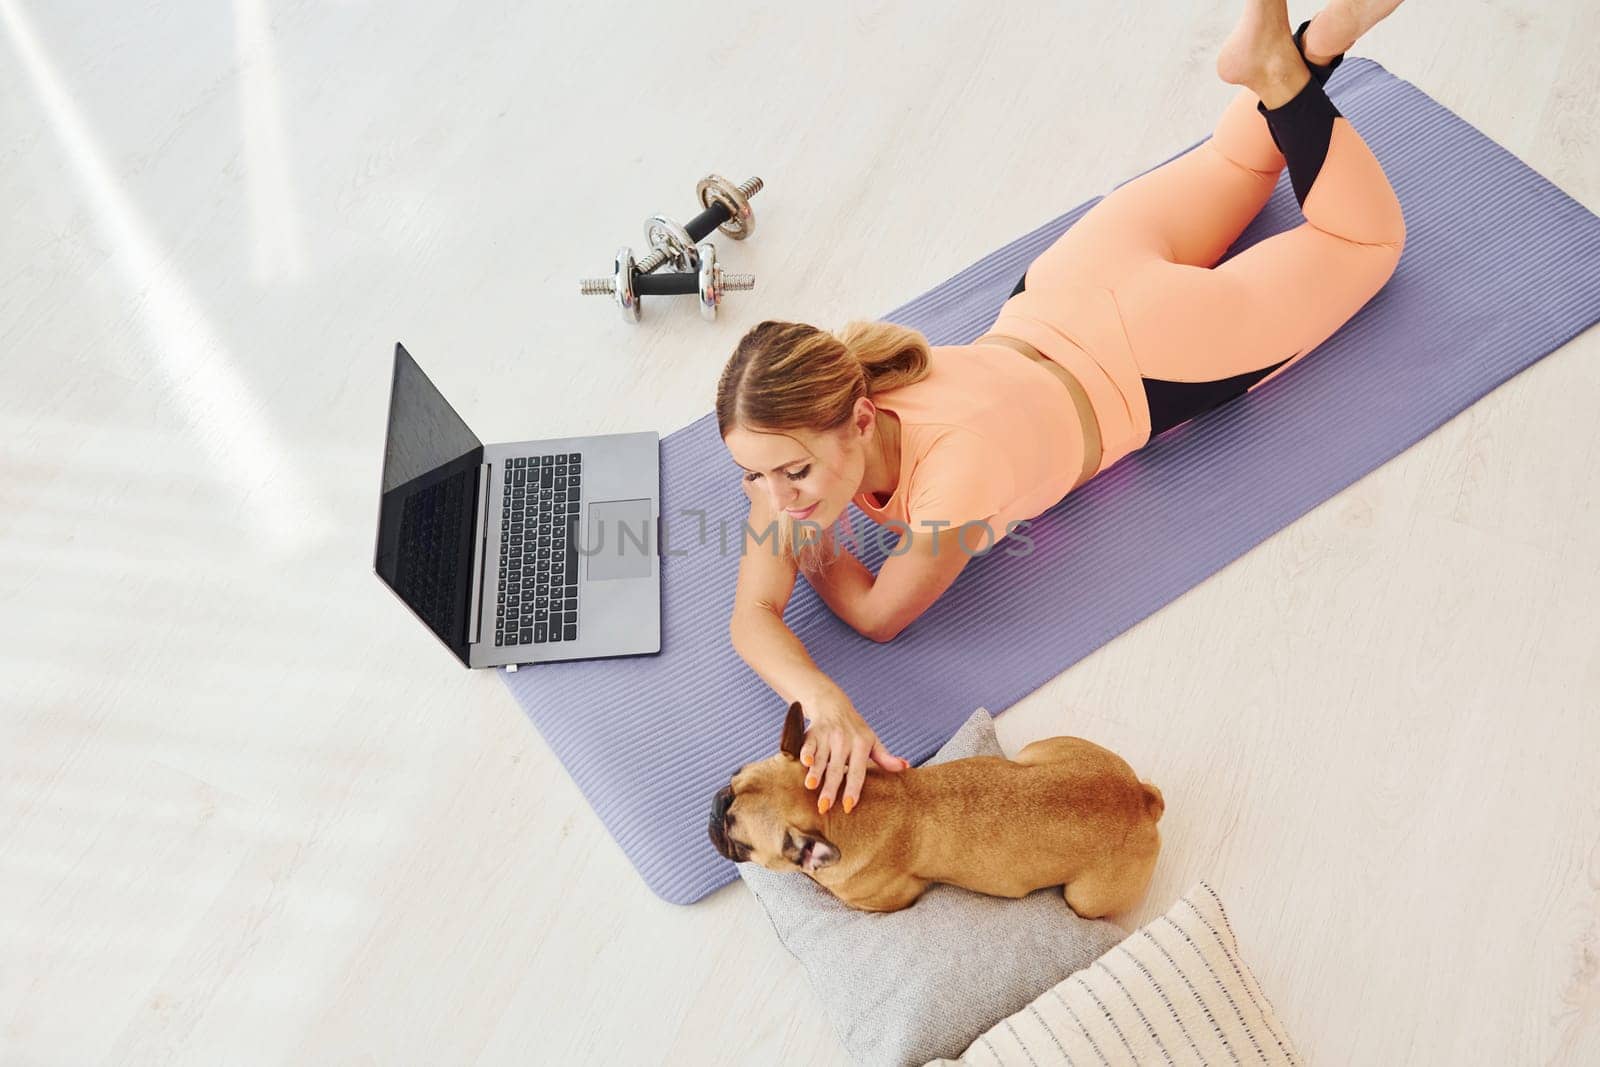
[882,630]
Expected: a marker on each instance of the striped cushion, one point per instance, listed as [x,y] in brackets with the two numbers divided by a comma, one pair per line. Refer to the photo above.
[1174,992]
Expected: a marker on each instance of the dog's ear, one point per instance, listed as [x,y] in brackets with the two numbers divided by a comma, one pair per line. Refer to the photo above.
[794,732]
[811,852]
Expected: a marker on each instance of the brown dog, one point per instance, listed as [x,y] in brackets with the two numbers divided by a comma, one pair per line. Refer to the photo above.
[1065,812]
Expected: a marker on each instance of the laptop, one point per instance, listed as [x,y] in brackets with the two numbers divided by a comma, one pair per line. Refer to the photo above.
[482,542]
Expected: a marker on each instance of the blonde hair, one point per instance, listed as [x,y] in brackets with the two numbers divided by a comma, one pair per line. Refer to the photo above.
[793,376]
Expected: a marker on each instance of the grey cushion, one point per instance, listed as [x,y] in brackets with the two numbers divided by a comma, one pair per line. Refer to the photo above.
[912,985]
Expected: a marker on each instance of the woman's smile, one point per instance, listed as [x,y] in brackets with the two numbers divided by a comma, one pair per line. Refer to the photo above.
[802,513]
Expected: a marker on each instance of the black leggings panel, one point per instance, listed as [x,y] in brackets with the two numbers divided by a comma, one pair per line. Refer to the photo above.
[1303,127]
[1172,403]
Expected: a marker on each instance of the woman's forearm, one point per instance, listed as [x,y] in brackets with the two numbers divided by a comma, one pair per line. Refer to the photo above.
[773,651]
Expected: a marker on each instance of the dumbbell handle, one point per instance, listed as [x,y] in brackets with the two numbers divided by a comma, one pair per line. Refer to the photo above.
[666,284]
[686,284]
[707,220]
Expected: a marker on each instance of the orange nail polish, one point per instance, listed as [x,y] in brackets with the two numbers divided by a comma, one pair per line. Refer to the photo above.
[848,804]
[824,804]
[811,781]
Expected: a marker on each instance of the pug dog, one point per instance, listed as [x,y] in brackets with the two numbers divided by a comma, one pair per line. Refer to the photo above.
[1065,812]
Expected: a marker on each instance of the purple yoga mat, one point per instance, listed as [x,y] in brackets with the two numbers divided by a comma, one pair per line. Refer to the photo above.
[1500,267]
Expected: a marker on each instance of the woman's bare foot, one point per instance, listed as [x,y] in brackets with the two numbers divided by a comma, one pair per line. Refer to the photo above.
[1260,54]
[1339,25]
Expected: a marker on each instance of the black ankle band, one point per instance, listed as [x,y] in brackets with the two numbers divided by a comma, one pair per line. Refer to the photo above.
[1302,129]
[1321,73]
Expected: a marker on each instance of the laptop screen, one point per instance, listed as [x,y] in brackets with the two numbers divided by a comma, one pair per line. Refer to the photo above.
[429,508]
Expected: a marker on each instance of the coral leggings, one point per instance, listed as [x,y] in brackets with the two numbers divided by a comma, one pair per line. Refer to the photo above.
[1202,333]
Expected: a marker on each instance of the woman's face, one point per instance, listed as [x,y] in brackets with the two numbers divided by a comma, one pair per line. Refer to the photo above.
[810,476]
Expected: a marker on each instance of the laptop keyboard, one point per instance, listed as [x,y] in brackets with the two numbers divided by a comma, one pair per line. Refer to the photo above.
[539,550]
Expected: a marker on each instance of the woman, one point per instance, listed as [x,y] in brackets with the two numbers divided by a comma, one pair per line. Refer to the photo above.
[1120,330]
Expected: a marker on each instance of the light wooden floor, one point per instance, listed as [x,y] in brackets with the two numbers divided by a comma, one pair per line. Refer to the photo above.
[252,813]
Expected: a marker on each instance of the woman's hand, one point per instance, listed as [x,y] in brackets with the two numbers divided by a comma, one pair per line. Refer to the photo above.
[837,748]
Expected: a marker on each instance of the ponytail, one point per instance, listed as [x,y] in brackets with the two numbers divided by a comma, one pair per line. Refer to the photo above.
[890,355]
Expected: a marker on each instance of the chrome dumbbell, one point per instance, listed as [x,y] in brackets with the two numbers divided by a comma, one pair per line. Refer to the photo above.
[727,208]
[628,284]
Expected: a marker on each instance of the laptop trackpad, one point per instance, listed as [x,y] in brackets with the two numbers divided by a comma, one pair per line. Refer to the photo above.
[619,542]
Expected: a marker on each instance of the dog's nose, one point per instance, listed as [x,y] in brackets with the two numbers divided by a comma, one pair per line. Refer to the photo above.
[717,826]
[720,802]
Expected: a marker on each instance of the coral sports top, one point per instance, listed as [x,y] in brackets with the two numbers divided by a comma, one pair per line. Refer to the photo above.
[992,435]
[988,435]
